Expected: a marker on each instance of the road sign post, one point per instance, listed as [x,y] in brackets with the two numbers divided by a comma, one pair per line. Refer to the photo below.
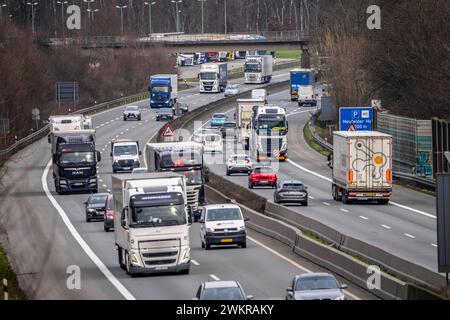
[168,133]
[356,119]
[443,222]
[67,92]
[4,129]
[36,116]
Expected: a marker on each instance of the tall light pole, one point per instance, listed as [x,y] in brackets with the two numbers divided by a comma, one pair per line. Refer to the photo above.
[150,4]
[92,12]
[225,10]
[89,9]
[203,15]
[32,4]
[62,3]
[121,15]
[178,13]
[1,11]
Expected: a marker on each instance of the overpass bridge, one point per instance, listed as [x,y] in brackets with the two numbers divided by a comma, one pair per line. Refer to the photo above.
[180,42]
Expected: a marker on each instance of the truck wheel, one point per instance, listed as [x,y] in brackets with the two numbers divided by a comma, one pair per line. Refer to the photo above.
[106,229]
[383,202]
[345,198]
[207,246]
[244,245]
[128,265]
[139,119]
[88,219]
[203,245]
[334,192]
[305,204]
[184,272]
[120,256]
[228,173]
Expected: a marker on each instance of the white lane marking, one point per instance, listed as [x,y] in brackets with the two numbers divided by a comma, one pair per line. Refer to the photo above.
[409,235]
[344,210]
[147,121]
[214,277]
[127,129]
[311,197]
[434,245]
[393,203]
[295,264]
[105,186]
[109,190]
[327,204]
[106,145]
[364,218]
[122,132]
[97,127]
[195,263]
[386,227]
[100,180]
[95,259]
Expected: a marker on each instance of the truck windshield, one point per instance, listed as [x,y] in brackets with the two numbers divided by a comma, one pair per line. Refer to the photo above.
[175,160]
[158,89]
[193,177]
[208,76]
[252,67]
[77,157]
[272,124]
[125,150]
[161,216]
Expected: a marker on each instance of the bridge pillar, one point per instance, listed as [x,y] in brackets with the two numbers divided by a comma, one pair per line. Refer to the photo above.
[306,62]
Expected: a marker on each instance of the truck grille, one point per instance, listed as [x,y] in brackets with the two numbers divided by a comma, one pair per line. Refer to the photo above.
[161,253]
[192,196]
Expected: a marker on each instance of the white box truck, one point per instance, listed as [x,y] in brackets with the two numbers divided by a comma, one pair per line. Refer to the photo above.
[362,166]
[243,116]
[151,222]
[213,77]
[260,94]
[258,69]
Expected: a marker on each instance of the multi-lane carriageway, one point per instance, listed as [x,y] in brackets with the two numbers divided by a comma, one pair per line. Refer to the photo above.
[47,233]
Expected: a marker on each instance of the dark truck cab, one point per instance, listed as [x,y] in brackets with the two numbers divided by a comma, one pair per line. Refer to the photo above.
[75,163]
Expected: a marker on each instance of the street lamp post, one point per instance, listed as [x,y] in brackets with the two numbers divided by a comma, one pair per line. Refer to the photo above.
[203,15]
[150,4]
[89,9]
[178,13]
[62,3]
[225,10]
[121,15]
[1,11]
[32,4]
[92,12]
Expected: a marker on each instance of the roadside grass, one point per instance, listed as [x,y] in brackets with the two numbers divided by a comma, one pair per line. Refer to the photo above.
[288,54]
[6,272]
[312,143]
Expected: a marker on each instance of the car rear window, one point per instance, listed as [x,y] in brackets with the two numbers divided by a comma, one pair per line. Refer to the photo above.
[264,170]
[223,294]
[292,186]
[219,116]
[97,199]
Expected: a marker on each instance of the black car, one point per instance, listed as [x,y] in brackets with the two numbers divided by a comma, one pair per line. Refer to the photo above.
[221,290]
[164,114]
[291,192]
[96,206]
[184,108]
[108,222]
[315,286]
[228,129]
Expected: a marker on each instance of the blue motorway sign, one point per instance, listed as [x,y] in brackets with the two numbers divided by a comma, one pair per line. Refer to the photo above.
[356,119]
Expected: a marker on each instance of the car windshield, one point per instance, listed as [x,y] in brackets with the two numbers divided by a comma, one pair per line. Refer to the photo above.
[193,177]
[208,76]
[158,89]
[158,216]
[232,87]
[252,67]
[316,283]
[219,116]
[293,186]
[229,125]
[110,204]
[132,108]
[212,138]
[77,157]
[223,294]
[240,158]
[97,199]
[224,214]
[125,150]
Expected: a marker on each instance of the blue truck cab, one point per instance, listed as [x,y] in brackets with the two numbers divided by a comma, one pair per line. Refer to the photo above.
[301,77]
[163,91]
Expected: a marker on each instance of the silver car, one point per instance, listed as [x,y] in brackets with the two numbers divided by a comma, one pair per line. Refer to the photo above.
[315,286]
[132,112]
[231,90]
[221,290]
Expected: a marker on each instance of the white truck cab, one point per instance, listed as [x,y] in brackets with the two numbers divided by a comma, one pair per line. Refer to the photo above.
[125,155]
[222,224]
[151,222]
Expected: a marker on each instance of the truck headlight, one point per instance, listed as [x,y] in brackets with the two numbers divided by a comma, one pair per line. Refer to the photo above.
[241,228]
[210,230]
[341,298]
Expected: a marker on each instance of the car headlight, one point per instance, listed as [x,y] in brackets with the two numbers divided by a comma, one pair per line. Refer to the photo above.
[210,230]
[341,298]
[91,210]
[241,228]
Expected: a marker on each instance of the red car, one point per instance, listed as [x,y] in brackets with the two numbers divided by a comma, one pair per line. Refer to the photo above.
[262,177]
[108,222]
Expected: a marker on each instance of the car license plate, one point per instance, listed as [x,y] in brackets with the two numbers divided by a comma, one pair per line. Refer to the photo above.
[264,182]
[161,268]
[370,194]
[127,168]
[227,241]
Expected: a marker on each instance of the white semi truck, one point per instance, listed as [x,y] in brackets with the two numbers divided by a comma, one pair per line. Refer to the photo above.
[151,222]
[213,77]
[125,155]
[243,115]
[362,166]
[268,138]
[258,69]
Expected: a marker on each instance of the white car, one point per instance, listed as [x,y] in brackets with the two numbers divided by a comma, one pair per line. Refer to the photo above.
[222,224]
[240,163]
[132,112]
[199,135]
[140,170]
[212,143]
[231,90]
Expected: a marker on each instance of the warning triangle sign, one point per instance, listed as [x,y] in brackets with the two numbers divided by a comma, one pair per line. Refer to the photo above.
[352,127]
[168,131]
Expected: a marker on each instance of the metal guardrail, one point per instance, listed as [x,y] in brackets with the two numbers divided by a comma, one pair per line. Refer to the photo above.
[404,177]
[44,131]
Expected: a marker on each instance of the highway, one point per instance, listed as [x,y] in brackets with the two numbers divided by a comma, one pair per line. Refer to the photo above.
[406,227]
[47,233]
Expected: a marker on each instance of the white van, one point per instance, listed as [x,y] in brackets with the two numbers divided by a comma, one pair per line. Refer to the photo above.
[212,143]
[306,96]
[222,224]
